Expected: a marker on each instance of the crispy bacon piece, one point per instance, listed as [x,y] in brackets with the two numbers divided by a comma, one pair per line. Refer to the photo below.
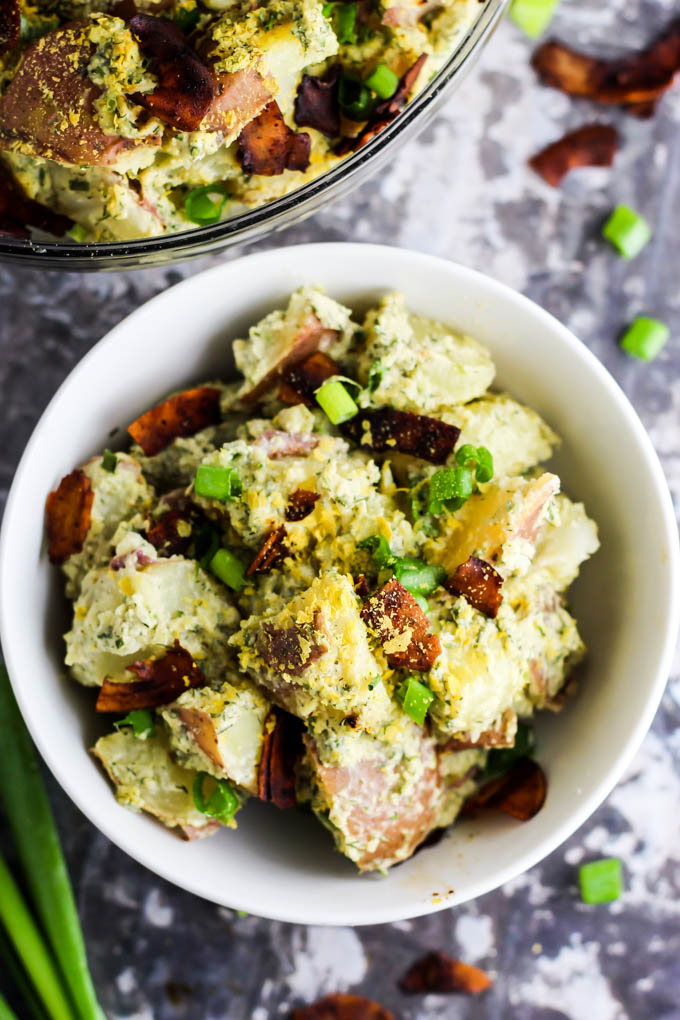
[182,415]
[300,504]
[185,88]
[385,112]
[437,972]
[268,146]
[238,98]
[636,81]
[290,650]
[402,627]
[272,550]
[342,1007]
[593,145]
[303,380]
[281,749]
[521,792]
[10,24]
[68,511]
[17,211]
[478,582]
[388,431]
[164,534]
[316,104]
[160,682]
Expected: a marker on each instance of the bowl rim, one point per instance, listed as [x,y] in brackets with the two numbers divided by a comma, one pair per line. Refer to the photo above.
[281,212]
[103,819]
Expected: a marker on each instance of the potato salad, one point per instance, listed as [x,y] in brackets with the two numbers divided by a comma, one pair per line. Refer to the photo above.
[123,119]
[338,583]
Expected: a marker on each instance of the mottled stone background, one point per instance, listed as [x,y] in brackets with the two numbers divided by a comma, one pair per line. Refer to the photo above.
[462,190]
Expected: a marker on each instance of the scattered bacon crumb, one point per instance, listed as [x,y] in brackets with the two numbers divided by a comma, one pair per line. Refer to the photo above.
[165,537]
[185,87]
[521,792]
[437,972]
[160,681]
[18,211]
[300,384]
[10,24]
[316,104]
[182,415]
[478,582]
[392,611]
[342,1007]
[68,512]
[385,112]
[362,587]
[593,145]
[300,504]
[268,146]
[272,550]
[290,650]
[281,749]
[386,430]
[636,81]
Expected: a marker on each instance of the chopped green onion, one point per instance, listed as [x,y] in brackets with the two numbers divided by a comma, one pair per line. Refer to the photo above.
[533,16]
[375,375]
[501,759]
[344,23]
[201,208]
[601,881]
[31,824]
[229,569]
[334,399]
[383,81]
[78,232]
[215,482]
[418,577]
[354,98]
[423,603]
[380,551]
[109,461]
[206,544]
[449,489]
[372,684]
[186,19]
[415,699]
[645,338]
[222,803]
[141,721]
[627,231]
[479,457]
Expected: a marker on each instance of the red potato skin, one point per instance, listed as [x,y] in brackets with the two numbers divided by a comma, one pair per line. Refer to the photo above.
[312,336]
[57,120]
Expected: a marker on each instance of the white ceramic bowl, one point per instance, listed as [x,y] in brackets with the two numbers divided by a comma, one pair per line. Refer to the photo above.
[281,865]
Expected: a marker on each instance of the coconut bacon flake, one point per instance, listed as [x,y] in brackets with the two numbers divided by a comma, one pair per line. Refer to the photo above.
[185,87]
[342,1007]
[316,104]
[592,145]
[385,112]
[301,503]
[182,415]
[437,972]
[273,549]
[520,792]
[386,430]
[303,380]
[402,628]
[281,750]
[636,81]
[267,146]
[68,512]
[159,682]
[479,584]
[290,650]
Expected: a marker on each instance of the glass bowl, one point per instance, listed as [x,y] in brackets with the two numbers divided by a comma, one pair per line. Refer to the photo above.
[282,212]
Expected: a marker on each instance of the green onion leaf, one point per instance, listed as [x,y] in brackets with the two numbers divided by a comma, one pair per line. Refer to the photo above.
[215,482]
[449,489]
[627,231]
[601,881]
[380,551]
[222,804]
[186,19]
[375,376]
[206,544]
[31,824]
[109,461]
[423,603]
[383,81]
[501,759]
[229,569]
[344,23]
[418,577]
[415,699]
[204,205]
[354,98]
[336,402]
[644,338]
[141,721]
[533,16]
